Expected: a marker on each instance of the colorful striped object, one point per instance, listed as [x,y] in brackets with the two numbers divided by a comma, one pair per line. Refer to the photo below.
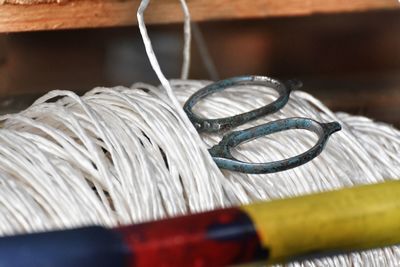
[278,231]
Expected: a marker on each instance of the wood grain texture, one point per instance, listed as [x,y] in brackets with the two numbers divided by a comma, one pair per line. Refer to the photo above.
[106,13]
[29,2]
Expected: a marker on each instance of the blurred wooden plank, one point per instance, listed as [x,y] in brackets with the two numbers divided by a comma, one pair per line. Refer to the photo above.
[106,13]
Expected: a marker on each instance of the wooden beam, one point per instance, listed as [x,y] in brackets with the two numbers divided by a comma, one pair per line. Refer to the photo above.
[105,13]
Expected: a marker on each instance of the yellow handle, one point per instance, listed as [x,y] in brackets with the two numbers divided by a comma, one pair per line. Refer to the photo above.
[348,219]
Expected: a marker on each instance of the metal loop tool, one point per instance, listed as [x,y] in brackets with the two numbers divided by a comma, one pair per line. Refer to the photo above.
[221,152]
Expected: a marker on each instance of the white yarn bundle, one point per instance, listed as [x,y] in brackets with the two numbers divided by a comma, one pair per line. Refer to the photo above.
[124,155]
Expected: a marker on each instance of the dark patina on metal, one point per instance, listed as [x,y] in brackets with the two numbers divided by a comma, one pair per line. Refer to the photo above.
[221,152]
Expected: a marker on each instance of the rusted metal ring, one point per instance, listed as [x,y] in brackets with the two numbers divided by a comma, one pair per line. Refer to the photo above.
[223,124]
[224,159]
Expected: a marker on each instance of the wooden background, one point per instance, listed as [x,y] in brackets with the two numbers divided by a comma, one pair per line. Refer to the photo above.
[101,13]
[351,61]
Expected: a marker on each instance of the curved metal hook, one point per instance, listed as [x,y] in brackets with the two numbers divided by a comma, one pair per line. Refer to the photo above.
[224,159]
[223,124]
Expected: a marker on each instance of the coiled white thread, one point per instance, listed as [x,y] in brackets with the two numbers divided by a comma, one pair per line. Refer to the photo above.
[124,155]
[121,155]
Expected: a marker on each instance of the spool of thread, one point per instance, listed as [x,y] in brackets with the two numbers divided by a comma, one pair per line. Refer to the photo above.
[117,156]
[270,232]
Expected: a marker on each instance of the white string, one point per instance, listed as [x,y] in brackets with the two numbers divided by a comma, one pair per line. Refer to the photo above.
[149,48]
[121,155]
[125,155]
[187,37]
[209,172]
